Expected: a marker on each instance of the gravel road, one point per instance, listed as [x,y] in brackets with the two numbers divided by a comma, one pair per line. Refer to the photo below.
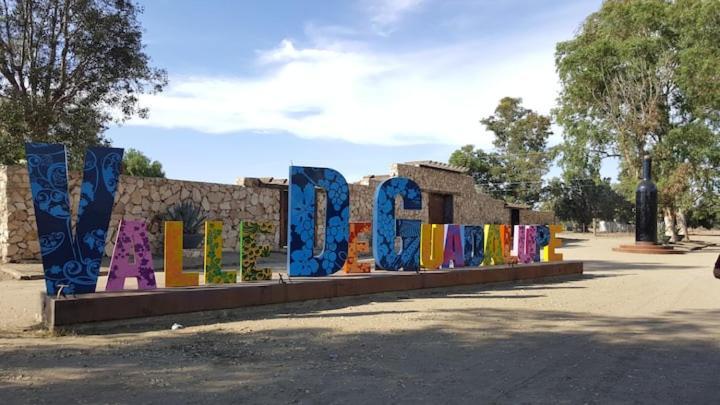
[632,329]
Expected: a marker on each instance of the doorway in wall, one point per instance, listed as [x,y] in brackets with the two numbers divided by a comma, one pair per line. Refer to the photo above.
[440,208]
[514,217]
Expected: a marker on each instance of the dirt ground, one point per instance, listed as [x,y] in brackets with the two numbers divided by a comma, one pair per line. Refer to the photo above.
[632,329]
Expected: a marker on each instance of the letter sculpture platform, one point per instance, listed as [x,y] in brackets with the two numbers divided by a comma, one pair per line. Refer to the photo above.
[118,305]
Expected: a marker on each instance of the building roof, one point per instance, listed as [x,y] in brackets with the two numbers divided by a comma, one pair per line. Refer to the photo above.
[374,177]
[272,181]
[518,206]
[437,165]
[269,182]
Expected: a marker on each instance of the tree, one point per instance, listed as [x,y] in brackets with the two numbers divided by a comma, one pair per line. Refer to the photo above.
[481,166]
[135,163]
[67,69]
[585,201]
[641,77]
[514,172]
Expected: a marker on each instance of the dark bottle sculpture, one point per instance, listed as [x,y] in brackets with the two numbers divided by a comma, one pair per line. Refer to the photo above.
[646,206]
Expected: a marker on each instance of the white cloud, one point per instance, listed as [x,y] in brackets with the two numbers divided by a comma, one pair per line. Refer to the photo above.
[358,95]
[384,13]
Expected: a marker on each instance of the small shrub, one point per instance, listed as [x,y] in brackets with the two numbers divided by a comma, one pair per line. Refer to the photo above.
[191,215]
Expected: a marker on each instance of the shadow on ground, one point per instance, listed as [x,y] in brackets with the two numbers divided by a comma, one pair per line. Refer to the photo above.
[515,290]
[463,356]
[606,265]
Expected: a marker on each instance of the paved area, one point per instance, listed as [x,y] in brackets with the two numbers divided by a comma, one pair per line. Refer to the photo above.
[633,329]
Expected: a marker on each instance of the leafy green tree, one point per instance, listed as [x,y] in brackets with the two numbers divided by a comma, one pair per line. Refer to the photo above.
[584,200]
[135,163]
[641,77]
[67,69]
[481,166]
[514,172]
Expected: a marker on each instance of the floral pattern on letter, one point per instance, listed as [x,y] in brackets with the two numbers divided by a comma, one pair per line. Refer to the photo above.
[385,225]
[356,246]
[473,247]
[251,250]
[301,232]
[213,256]
[132,239]
[72,259]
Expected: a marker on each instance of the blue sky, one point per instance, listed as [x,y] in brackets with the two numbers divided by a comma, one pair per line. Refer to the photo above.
[354,85]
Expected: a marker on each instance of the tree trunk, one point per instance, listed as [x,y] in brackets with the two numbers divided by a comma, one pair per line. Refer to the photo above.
[594,227]
[670,224]
[683,224]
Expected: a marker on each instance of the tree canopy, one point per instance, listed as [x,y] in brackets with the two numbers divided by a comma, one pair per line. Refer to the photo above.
[67,69]
[514,171]
[643,76]
[582,201]
[135,163]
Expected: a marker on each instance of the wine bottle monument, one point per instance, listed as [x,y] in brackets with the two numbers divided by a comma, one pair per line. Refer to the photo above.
[646,218]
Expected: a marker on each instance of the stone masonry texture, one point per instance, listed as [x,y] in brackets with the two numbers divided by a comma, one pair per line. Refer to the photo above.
[148,199]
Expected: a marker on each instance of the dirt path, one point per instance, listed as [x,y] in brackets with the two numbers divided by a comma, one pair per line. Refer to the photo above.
[634,328]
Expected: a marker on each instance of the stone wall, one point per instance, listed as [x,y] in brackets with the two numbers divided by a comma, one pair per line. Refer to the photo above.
[137,198]
[148,198]
[470,207]
[537,217]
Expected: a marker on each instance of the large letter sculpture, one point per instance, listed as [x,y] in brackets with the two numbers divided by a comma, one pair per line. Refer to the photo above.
[251,250]
[518,249]
[409,232]
[542,238]
[385,225]
[524,244]
[473,247]
[132,240]
[301,227]
[432,244]
[493,246]
[72,260]
[507,244]
[530,244]
[548,253]
[356,246]
[214,273]
[454,252]
[174,275]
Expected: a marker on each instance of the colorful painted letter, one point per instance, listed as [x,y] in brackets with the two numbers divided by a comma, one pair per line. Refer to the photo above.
[493,246]
[542,238]
[357,246]
[432,245]
[213,256]
[454,247]
[409,232]
[384,224]
[507,244]
[473,246]
[301,226]
[72,260]
[518,249]
[549,254]
[530,244]
[132,240]
[250,250]
[174,275]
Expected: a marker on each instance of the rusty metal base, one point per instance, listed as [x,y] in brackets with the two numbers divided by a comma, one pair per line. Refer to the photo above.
[109,306]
